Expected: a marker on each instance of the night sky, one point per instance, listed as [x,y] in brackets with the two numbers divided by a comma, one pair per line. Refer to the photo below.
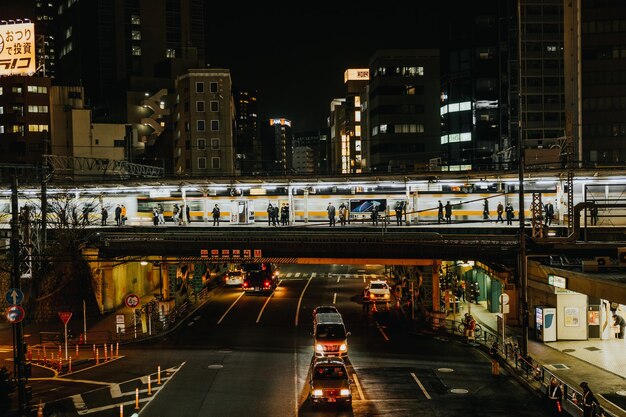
[296,57]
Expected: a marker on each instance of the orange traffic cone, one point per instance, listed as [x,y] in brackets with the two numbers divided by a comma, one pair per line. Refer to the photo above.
[397,304]
[40,410]
[374,310]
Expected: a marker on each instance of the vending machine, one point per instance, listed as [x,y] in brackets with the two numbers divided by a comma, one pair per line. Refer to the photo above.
[545,324]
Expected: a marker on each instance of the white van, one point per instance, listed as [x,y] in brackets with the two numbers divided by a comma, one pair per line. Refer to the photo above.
[330,336]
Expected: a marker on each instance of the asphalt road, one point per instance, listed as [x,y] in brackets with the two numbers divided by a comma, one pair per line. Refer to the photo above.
[249,356]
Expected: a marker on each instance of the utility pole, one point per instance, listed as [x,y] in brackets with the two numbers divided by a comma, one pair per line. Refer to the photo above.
[520,168]
[18,329]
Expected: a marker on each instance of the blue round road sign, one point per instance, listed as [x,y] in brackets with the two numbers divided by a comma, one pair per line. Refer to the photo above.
[15,314]
[14,296]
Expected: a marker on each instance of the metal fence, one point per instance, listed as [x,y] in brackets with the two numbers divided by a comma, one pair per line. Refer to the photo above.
[533,372]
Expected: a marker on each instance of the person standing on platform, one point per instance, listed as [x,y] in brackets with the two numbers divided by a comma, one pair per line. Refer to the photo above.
[270,214]
[549,213]
[509,214]
[375,215]
[486,209]
[500,210]
[440,213]
[216,215]
[399,207]
[331,214]
[118,215]
[448,210]
[104,214]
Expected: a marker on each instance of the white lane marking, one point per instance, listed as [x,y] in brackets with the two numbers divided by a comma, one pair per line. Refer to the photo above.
[289,275]
[334,298]
[358,387]
[116,406]
[79,404]
[295,383]
[191,323]
[297,275]
[300,300]
[116,391]
[159,389]
[380,329]
[338,278]
[421,386]
[364,279]
[258,319]
[229,308]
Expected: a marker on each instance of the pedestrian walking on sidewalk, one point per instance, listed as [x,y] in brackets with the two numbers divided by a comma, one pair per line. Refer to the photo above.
[554,393]
[589,401]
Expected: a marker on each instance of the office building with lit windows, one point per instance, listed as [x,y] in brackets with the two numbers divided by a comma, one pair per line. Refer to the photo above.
[403,110]
[348,144]
[277,146]
[204,119]
[24,119]
[247,143]
[474,90]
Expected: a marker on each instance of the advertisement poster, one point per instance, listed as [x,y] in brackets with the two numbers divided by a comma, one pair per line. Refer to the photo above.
[594,318]
[572,318]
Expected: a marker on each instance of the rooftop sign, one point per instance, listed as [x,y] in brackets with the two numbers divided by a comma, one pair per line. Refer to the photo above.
[356,74]
[17,48]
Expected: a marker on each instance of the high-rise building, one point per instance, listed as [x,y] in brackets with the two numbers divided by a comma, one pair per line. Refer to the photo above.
[127,45]
[204,115]
[539,82]
[277,146]
[347,136]
[403,110]
[24,119]
[309,152]
[596,99]
[247,143]
[474,96]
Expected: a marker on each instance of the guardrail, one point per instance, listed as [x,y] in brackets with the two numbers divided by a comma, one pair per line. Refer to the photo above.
[535,374]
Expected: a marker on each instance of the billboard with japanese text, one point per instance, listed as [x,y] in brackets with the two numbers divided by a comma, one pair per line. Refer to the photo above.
[17,49]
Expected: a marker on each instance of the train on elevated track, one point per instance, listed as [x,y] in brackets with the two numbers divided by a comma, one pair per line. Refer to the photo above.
[247,203]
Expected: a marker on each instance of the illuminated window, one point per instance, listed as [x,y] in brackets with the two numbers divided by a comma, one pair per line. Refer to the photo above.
[383,128]
[37,128]
[170,53]
[213,88]
[215,125]
[201,143]
[135,35]
[215,162]
[68,32]
[200,125]
[357,145]
[357,101]
[201,163]
[357,116]
[357,130]
[551,48]
[199,106]
[136,50]
[1,110]
[375,131]
[215,105]
[215,143]
[37,89]
[37,109]
[135,20]
[16,90]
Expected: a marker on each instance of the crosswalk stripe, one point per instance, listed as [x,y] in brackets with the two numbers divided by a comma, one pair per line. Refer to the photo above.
[298,274]
[289,274]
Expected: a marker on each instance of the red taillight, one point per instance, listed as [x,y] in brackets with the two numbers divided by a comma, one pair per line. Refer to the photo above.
[245,284]
[267,283]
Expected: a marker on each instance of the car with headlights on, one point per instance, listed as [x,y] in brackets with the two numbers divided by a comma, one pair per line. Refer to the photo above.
[329,382]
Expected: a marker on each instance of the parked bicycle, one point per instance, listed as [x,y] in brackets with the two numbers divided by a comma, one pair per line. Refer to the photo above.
[478,330]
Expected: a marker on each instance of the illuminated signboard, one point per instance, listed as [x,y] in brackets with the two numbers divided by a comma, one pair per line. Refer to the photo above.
[356,74]
[557,281]
[283,122]
[17,49]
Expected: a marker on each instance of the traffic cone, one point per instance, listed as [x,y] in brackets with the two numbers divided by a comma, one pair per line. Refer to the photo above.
[40,409]
[397,304]
[374,310]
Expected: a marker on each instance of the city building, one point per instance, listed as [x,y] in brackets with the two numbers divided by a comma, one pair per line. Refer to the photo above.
[403,110]
[474,97]
[540,82]
[127,46]
[597,68]
[277,146]
[347,137]
[24,119]
[247,143]
[204,119]
[317,158]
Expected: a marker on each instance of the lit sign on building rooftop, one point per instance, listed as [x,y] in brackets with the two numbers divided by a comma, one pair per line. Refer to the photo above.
[283,122]
[356,74]
[17,48]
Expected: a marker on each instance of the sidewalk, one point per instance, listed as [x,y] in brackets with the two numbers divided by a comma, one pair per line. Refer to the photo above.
[601,363]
